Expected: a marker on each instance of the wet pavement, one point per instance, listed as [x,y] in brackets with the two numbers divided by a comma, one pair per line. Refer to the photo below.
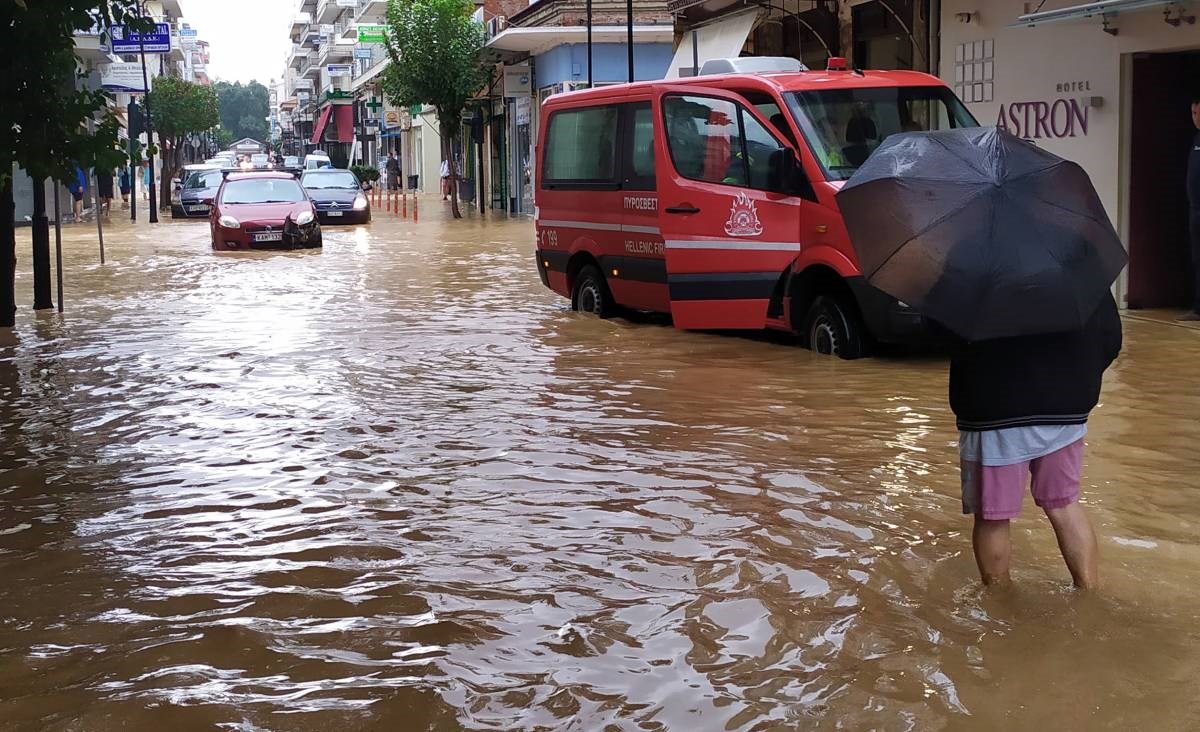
[397,484]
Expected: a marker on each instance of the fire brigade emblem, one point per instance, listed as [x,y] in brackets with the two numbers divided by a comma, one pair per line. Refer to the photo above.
[743,218]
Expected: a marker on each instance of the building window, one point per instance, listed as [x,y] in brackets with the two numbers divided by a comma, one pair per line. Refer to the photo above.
[974,70]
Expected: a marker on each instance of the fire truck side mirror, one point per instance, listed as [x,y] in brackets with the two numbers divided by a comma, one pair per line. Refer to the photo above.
[787,176]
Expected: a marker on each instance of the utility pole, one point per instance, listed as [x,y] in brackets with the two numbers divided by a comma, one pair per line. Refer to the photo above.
[589,42]
[149,122]
[628,35]
[41,248]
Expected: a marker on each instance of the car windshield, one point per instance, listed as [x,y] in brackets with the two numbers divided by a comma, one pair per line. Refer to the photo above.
[258,158]
[202,179]
[291,160]
[312,163]
[340,179]
[844,126]
[262,190]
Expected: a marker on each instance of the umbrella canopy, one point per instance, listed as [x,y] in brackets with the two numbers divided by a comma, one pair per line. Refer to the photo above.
[984,232]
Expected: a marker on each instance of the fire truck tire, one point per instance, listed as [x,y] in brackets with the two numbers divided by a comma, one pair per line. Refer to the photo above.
[591,293]
[831,328]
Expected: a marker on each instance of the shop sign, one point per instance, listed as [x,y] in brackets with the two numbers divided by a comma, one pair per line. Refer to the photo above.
[126,42]
[122,77]
[391,118]
[347,3]
[325,29]
[1035,120]
[521,109]
[368,33]
[339,69]
[517,81]
[363,53]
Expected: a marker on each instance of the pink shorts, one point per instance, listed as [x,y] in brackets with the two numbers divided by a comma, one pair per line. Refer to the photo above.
[996,492]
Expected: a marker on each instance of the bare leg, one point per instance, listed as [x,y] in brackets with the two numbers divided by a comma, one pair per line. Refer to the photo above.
[1077,543]
[993,550]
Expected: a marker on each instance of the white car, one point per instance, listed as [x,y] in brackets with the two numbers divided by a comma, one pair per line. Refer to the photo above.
[315,160]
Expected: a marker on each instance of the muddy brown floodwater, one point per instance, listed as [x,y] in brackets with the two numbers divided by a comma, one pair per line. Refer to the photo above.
[396,484]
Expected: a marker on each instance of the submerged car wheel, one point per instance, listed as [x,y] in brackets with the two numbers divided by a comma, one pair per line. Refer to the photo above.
[831,328]
[591,293]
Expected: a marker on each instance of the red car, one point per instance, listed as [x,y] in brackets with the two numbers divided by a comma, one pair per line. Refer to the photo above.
[263,210]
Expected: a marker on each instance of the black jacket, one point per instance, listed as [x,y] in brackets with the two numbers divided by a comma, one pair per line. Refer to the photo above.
[1051,379]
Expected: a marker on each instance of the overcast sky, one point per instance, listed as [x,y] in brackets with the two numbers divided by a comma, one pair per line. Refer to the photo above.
[248,38]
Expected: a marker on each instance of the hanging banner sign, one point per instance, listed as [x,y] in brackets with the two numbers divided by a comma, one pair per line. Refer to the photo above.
[125,41]
[122,77]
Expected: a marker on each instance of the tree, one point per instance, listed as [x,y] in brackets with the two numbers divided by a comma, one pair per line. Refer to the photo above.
[48,126]
[244,109]
[179,108]
[434,46]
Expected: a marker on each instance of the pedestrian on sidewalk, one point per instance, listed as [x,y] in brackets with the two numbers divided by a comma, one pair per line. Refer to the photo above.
[1022,406]
[78,187]
[446,182]
[393,172]
[1193,194]
[104,192]
[124,182]
[145,181]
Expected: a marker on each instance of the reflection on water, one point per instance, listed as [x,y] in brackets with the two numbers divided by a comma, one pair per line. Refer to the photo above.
[396,484]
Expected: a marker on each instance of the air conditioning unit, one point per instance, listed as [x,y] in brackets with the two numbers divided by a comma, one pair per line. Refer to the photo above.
[496,25]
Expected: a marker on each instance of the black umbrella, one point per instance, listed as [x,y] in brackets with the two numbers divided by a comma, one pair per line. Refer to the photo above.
[983,232]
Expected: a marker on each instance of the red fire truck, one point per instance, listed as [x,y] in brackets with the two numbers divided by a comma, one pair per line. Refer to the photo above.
[712,198]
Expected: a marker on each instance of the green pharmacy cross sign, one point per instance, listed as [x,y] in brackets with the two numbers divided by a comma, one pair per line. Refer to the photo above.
[372,33]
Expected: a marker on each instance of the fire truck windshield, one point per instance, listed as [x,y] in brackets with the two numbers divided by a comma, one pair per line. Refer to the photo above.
[844,126]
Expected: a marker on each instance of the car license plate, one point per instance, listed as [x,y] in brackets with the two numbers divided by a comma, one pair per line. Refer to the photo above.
[269,236]
[197,209]
[334,213]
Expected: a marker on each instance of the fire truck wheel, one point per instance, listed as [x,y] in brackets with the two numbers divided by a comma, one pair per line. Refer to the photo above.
[591,293]
[833,329]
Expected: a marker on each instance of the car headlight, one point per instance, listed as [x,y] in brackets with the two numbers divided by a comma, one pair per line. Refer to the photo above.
[304,219]
[360,202]
[229,222]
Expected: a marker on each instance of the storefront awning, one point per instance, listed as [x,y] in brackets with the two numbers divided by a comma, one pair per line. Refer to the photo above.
[1100,9]
[345,123]
[539,39]
[319,128]
[723,39]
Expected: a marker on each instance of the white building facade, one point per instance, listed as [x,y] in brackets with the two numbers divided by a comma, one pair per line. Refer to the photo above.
[1105,84]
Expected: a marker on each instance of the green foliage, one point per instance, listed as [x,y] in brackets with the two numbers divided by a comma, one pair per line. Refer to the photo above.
[365,173]
[44,122]
[244,110]
[180,107]
[435,47]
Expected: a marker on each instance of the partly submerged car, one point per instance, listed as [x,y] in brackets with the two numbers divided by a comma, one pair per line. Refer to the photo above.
[263,210]
[338,196]
[196,195]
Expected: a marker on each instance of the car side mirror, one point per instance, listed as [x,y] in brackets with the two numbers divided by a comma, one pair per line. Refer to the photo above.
[787,176]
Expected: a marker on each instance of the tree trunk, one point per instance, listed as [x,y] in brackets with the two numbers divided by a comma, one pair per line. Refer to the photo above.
[8,251]
[41,248]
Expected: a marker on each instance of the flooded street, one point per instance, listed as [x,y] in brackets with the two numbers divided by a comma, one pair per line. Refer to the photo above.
[396,484]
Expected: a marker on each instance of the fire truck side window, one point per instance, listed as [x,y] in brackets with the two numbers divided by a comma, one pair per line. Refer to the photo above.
[581,147]
[718,141]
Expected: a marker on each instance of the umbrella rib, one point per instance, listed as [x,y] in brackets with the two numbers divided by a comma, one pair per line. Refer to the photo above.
[925,229]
